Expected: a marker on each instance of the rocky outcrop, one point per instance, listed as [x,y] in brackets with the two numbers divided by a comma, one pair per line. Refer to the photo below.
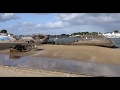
[40,38]
[20,47]
[35,38]
[96,42]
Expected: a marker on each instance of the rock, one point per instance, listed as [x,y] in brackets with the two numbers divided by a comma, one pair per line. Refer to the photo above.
[20,47]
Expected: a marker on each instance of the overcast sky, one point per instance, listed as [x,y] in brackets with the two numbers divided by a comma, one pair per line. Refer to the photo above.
[58,23]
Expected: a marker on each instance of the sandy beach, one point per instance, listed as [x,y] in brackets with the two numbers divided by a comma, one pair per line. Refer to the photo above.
[64,52]
[71,52]
[7,71]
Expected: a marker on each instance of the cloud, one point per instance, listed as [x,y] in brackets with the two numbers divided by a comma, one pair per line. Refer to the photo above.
[7,16]
[42,13]
[68,17]
[49,25]
[101,21]
[71,22]
[58,24]
[72,19]
[89,18]
[25,24]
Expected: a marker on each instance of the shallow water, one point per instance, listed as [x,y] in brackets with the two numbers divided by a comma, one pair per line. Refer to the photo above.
[116,41]
[69,66]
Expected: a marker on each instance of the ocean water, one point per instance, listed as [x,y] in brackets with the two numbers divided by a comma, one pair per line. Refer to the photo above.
[71,39]
[116,41]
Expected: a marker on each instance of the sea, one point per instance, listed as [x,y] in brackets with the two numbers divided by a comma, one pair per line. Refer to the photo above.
[116,41]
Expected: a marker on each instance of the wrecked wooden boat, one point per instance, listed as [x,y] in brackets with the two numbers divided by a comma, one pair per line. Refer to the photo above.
[23,48]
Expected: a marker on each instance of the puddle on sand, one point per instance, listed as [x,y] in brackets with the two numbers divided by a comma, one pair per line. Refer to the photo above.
[69,66]
[14,57]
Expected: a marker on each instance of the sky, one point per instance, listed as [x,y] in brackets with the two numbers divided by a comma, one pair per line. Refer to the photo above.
[58,23]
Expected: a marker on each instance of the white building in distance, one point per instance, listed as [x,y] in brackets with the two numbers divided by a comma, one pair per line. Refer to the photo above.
[111,35]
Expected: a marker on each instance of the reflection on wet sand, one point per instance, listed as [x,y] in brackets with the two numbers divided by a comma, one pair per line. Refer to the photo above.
[12,56]
[79,67]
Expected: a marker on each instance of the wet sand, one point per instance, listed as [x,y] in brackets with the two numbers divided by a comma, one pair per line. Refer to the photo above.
[82,53]
[71,52]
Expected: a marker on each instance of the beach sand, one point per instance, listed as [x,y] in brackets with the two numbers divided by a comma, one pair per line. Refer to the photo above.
[81,53]
[65,52]
[8,71]
[71,52]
